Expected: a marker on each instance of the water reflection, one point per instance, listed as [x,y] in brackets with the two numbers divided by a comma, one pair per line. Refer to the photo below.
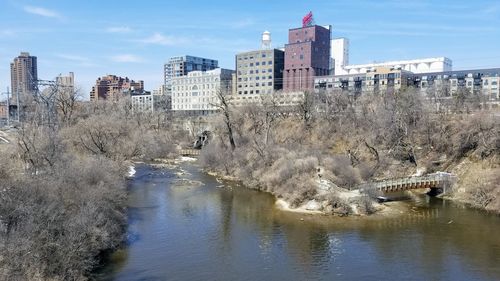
[232,233]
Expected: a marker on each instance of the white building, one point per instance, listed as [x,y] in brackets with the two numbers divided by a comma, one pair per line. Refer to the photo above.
[196,92]
[491,87]
[142,101]
[340,55]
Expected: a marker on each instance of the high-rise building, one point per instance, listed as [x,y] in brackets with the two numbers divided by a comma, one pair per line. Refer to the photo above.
[307,55]
[67,82]
[196,92]
[181,66]
[259,72]
[339,54]
[114,87]
[24,74]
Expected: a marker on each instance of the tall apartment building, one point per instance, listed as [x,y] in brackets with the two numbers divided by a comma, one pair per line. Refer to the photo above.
[307,55]
[113,87]
[196,92]
[24,74]
[181,66]
[259,72]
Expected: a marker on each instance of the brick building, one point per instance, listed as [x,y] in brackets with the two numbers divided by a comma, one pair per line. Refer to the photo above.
[113,87]
[307,55]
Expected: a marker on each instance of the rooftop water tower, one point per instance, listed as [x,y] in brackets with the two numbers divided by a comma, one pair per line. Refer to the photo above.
[266,40]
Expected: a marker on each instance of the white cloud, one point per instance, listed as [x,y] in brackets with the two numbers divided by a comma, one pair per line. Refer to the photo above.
[119,29]
[160,39]
[72,57]
[42,12]
[127,58]
[6,32]
[243,23]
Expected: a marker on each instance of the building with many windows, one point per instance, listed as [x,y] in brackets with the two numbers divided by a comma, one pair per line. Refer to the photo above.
[24,74]
[445,84]
[259,72]
[142,101]
[182,65]
[112,87]
[196,92]
[307,55]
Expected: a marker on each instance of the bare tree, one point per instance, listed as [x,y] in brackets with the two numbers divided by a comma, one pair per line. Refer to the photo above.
[224,106]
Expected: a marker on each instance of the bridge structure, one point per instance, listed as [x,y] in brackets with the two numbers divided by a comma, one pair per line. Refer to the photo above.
[438,180]
[190,152]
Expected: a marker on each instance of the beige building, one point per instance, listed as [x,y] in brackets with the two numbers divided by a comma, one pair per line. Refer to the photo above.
[196,92]
[259,72]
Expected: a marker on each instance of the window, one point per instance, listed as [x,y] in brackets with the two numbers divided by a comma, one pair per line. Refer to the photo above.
[239,92]
[270,62]
[301,56]
[494,83]
[263,55]
[270,70]
[257,91]
[263,63]
[257,63]
[251,64]
[257,78]
[269,83]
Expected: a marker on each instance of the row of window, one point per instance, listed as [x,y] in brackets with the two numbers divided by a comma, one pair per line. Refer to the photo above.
[241,79]
[194,87]
[256,85]
[254,64]
[180,81]
[193,106]
[251,92]
[269,70]
[193,94]
[251,57]
[189,100]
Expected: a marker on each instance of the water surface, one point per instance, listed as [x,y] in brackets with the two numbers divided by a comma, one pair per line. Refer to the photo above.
[219,231]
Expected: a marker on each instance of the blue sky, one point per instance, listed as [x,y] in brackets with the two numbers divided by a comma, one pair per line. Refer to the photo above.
[134,38]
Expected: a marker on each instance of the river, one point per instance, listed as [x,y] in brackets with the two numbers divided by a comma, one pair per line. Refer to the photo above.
[220,231]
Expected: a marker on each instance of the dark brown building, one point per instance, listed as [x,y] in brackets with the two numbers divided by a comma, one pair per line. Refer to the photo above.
[307,55]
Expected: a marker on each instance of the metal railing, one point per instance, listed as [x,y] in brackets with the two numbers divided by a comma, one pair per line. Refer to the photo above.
[410,181]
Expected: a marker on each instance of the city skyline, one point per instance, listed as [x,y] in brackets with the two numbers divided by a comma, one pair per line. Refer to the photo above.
[89,40]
